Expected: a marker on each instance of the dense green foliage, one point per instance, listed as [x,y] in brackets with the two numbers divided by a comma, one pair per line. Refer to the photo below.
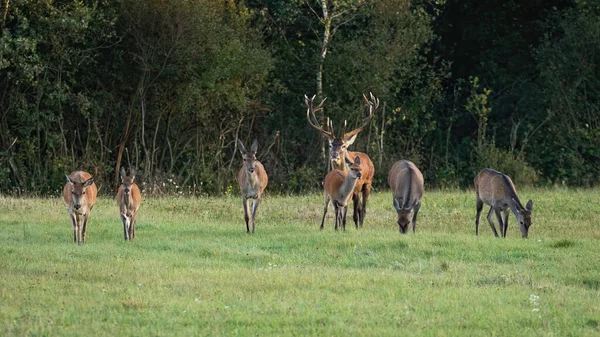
[168,86]
[192,270]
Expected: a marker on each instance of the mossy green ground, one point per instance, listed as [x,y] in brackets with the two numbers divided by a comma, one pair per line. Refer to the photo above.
[193,270]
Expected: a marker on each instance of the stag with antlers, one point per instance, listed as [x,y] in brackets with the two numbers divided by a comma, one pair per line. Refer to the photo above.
[338,152]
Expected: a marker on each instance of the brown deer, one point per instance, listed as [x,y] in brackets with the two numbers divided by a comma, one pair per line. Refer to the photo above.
[129,199]
[338,152]
[406,183]
[253,179]
[79,194]
[498,191]
[339,186]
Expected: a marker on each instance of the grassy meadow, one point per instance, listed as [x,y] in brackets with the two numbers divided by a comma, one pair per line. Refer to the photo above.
[193,270]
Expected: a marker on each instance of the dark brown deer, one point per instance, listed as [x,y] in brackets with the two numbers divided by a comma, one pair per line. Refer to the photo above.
[338,152]
[406,183]
[339,187]
[79,194]
[129,199]
[253,179]
[498,191]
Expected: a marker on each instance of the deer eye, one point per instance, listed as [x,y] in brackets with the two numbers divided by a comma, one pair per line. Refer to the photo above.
[83,192]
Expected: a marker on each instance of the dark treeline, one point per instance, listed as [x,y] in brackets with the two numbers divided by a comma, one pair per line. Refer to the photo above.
[168,86]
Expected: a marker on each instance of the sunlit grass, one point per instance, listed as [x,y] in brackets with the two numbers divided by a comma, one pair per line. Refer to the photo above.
[193,270]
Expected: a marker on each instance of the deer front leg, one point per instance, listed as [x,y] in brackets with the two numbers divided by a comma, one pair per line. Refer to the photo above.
[84,220]
[479,208]
[336,209]
[255,203]
[246,216]
[327,199]
[506,213]
[498,213]
[74,223]
[491,220]
[415,212]
[343,211]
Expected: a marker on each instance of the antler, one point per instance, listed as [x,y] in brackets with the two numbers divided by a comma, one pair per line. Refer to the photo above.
[373,104]
[312,119]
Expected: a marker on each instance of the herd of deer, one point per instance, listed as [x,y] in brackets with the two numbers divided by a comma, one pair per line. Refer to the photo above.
[351,177]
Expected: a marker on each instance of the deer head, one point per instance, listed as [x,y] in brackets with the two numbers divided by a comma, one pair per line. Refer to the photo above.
[403,212]
[524,217]
[249,156]
[338,145]
[127,180]
[78,190]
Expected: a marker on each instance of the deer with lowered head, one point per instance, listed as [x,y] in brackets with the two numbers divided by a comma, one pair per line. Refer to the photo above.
[339,187]
[129,199]
[338,153]
[79,194]
[253,179]
[406,183]
[498,191]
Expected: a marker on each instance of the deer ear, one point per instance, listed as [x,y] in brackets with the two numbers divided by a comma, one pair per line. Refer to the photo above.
[254,146]
[132,173]
[241,147]
[69,179]
[123,173]
[529,205]
[357,160]
[88,182]
[347,161]
[516,205]
[351,140]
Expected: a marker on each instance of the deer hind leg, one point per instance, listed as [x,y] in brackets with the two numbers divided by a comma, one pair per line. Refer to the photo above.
[491,220]
[506,213]
[132,226]
[246,217]
[80,221]
[366,193]
[327,199]
[255,203]
[415,212]
[357,210]
[126,225]
[479,208]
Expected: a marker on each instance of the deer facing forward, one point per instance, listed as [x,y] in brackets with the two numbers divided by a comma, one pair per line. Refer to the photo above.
[79,194]
[338,152]
[406,183]
[339,187]
[498,191]
[129,199]
[253,179]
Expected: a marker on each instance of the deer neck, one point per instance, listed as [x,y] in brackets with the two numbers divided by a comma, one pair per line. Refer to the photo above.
[251,178]
[347,189]
[127,199]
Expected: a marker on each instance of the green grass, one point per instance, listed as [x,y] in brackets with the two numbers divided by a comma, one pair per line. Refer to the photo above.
[193,270]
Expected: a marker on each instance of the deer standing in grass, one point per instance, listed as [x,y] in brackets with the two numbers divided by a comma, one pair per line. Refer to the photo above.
[79,194]
[339,187]
[498,191]
[129,199]
[253,179]
[406,183]
[338,153]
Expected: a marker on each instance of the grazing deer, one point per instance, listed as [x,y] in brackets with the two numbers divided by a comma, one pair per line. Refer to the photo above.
[79,194]
[338,152]
[339,187]
[253,179]
[129,199]
[498,191]
[406,183]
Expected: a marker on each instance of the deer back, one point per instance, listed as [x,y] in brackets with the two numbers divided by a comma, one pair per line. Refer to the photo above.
[71,191]
[333,182]
[406,182]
